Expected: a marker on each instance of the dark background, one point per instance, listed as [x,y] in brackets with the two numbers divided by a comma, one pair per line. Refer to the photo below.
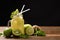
[43,12]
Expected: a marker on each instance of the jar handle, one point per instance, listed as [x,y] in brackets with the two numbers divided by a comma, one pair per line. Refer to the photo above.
[8,24]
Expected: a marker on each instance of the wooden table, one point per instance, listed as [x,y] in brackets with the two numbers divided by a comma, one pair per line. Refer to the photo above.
[52,33]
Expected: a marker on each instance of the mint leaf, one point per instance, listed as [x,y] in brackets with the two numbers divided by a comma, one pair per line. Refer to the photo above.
[0,34]
[24,36]
[14,13]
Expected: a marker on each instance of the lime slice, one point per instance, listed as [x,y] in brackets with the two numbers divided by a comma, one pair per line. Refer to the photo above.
[16,32]
[28,29]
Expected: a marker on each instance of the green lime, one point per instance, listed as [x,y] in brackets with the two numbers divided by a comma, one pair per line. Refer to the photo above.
[28,29]
[7,32]
[27,25]
[16,32]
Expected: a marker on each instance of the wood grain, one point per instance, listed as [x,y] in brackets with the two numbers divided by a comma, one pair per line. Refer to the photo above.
[52,33]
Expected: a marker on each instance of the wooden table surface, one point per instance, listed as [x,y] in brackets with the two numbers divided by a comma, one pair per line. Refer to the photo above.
[52,33]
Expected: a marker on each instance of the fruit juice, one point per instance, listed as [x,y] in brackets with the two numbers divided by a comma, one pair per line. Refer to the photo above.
[17,23]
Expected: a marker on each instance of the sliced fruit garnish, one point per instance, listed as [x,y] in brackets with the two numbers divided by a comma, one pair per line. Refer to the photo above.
[28,29]
[16,32]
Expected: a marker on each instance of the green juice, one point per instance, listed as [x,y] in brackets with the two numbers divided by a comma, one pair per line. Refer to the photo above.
[17,25]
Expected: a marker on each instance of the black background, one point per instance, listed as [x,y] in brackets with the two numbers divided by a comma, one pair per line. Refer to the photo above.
[43,12]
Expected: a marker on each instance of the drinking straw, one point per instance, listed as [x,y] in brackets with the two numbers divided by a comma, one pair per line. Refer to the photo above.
[25,10]
[22,10]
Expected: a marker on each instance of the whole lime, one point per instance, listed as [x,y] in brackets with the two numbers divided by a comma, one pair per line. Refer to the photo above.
[7,32]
